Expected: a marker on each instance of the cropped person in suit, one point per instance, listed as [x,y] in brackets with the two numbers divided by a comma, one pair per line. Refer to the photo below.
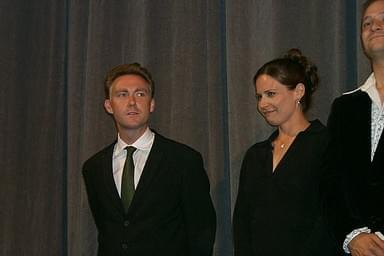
[284,179]
[356,125]
[154,201]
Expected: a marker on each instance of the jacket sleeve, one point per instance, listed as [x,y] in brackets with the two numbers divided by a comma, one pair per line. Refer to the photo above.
[336,207]
[90,187]
[197,207]
[241,219]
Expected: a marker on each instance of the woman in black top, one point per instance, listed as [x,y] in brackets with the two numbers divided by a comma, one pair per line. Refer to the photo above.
[284,179]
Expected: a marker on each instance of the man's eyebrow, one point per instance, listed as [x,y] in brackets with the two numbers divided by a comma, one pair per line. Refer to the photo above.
[142,89]
[371,16]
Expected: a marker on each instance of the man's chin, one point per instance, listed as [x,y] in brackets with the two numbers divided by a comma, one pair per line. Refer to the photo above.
[375,52]
[133,127]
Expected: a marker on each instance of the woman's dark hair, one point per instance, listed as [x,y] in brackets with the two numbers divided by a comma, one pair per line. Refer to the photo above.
[291,69]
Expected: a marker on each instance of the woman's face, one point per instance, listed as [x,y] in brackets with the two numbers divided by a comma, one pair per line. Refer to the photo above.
[275,102]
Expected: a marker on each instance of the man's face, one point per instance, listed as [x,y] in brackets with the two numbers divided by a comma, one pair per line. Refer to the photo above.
[372,29]
[130,103]
[276,103]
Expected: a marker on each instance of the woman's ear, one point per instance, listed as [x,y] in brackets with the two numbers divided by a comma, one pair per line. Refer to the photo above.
[300,91]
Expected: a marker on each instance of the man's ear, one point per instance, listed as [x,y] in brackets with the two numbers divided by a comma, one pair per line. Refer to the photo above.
[108,107]
[152,106]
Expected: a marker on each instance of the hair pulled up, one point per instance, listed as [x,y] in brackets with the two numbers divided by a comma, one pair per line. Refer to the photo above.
[290,70]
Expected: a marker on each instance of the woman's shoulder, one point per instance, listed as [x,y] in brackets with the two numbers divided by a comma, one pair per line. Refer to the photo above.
[258,150]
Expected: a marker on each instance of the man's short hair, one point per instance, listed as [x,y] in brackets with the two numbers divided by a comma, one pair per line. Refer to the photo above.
[365,6]
[127,69]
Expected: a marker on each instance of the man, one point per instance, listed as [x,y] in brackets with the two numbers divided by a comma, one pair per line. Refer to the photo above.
[356,125]
[148,195]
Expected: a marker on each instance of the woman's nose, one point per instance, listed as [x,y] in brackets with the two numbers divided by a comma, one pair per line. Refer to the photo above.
[261,102]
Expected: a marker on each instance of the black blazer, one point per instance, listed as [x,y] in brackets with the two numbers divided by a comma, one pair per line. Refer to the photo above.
[281,212]
[171,212]
[359,201]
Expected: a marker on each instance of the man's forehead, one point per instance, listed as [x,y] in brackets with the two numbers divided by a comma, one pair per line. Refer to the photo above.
[130,77]
[131,86]
[374,8]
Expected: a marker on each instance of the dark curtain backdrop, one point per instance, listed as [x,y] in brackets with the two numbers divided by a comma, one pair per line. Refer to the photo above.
[202,54]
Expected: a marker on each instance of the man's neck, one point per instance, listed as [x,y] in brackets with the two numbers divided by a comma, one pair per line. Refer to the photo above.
[378,70]
[130,136]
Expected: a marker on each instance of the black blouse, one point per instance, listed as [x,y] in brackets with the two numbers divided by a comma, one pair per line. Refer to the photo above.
[281,212]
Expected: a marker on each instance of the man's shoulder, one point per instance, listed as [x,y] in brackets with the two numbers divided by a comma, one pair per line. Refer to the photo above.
[175,147]
[99,156]
[357,93]
[352,98]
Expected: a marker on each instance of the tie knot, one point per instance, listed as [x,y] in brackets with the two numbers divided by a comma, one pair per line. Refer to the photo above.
[130,150]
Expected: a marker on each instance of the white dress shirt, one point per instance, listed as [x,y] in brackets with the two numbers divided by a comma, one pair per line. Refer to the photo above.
[143,146]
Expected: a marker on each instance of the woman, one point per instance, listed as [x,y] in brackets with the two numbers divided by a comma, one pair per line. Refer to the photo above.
[283,180]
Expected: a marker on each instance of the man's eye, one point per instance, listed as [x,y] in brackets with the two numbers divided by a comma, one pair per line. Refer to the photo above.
[270,94]
[121,94]
[140,94]
[367,23]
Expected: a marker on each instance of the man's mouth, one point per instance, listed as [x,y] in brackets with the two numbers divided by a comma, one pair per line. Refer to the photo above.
[376,35]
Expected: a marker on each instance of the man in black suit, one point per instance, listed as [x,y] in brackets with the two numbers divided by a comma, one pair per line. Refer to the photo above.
[154,201]
[356,125]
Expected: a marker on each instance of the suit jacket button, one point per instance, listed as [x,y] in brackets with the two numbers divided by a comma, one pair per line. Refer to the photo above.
[126,223]
[124,246]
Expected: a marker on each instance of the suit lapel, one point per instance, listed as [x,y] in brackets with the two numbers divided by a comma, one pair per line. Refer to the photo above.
[379,154]
[109,181]
[151,167]
[363,127]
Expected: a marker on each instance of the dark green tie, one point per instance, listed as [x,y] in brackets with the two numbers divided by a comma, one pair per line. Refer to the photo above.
[127,180]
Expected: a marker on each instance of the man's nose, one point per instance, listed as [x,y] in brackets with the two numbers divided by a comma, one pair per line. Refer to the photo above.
[131,100]
[376,25]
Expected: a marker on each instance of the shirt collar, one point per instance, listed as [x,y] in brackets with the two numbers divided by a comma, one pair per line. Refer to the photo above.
[370,88]
[143,143]
[314,126]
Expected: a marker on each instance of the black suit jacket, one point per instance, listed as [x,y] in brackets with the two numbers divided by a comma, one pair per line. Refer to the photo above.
[171,212]
[359,201]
